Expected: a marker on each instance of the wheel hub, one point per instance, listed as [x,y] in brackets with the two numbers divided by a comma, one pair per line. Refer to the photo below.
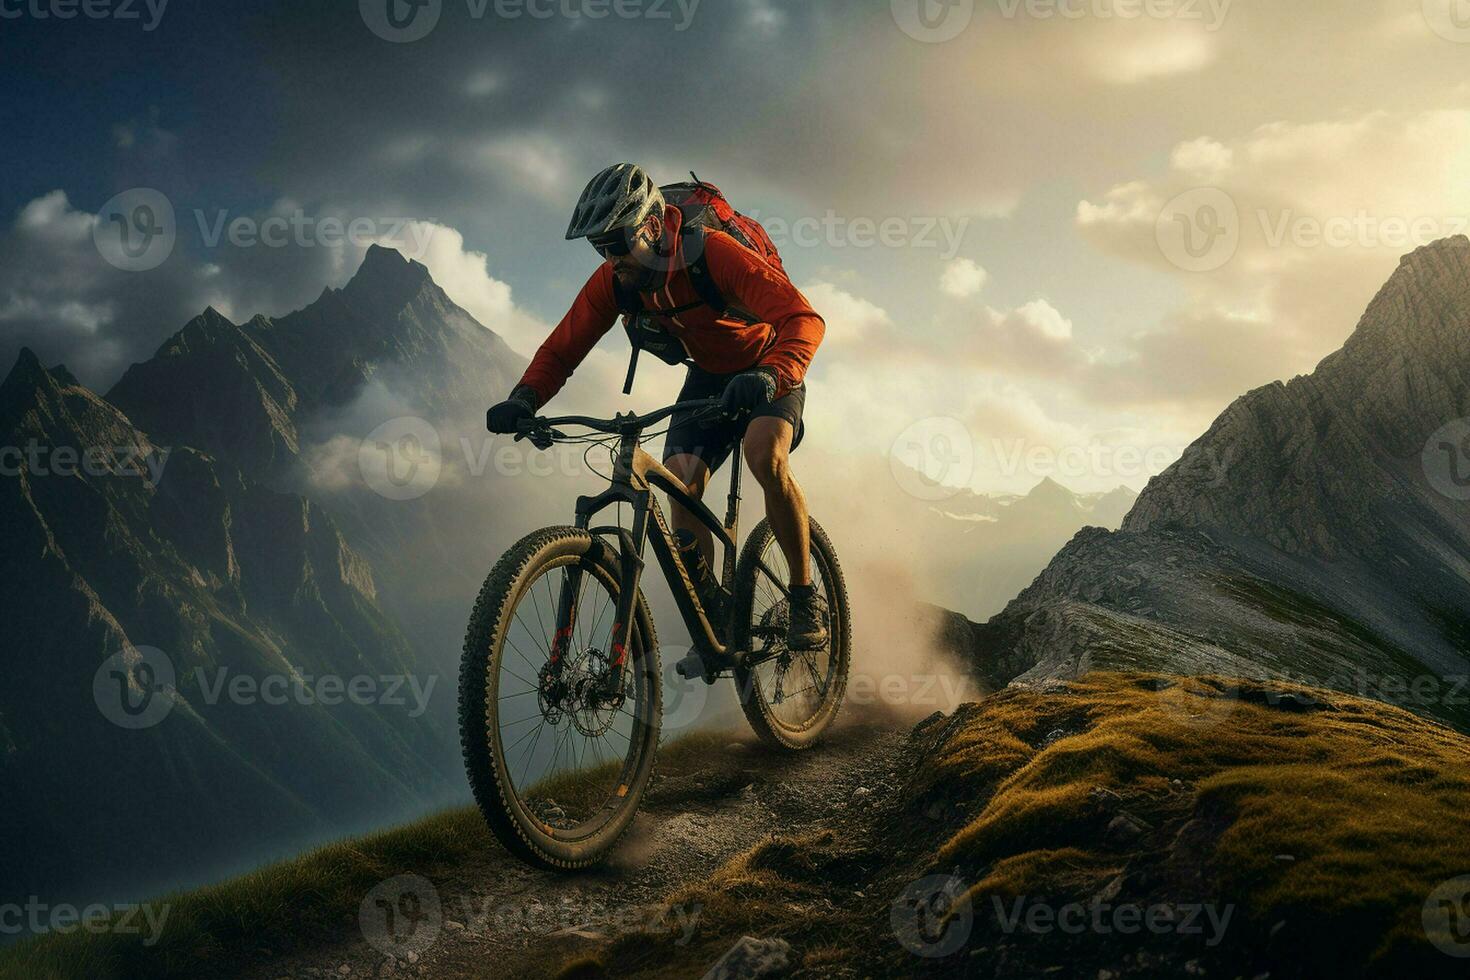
[583,690]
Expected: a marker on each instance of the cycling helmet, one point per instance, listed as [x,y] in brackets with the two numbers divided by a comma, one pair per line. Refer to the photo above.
[617,199]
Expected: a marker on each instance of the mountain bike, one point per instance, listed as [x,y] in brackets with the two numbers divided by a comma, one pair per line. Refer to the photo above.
[561,691]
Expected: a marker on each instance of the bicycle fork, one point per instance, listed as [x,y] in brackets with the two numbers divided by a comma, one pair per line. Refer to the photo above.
[630,573]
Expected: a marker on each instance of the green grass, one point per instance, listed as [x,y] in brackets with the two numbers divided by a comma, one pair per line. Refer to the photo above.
[285,906]
[1368,800]
[1323,819]
[275,907]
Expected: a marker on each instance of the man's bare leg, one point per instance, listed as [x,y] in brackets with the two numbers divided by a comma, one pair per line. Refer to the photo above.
[694,473]
[767,451]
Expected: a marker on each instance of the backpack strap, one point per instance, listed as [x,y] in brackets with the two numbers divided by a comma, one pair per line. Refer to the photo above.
[630,303]
[627,300]
[699,277]
[704,283]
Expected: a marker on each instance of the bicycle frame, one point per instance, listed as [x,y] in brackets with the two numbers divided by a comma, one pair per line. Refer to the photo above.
[635,476]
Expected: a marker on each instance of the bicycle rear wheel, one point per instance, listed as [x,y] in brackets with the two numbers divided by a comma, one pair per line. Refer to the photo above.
[789,697]
[558,761]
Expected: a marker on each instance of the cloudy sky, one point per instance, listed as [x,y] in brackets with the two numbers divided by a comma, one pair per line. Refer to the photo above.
[1049,236]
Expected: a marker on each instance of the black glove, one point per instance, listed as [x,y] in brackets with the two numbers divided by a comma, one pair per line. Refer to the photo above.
[504,418]
[749,391]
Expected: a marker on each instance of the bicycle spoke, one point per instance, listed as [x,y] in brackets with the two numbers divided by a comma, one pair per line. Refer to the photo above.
[595,634]
[536,607]
[530,754]
[578,618]
[518,677]
[551,613]
[529,662]
[575,759]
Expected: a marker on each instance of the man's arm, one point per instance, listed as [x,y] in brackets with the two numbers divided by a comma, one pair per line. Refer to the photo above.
[745,279]
[592,315]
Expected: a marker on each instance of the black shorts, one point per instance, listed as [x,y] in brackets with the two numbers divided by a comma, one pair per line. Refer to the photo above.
[714,443]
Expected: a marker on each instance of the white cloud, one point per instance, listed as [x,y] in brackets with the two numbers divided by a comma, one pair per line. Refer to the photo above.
[1323,210]
[962,277]
[465,275]
[1140,52]
[534,164]
[1038,318]
[50,218]
[853,323]
[483,83]
[1203,159]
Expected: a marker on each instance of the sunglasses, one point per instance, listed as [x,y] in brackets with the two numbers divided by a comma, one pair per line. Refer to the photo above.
[615,246]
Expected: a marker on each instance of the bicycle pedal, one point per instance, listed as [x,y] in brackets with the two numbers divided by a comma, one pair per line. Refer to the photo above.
[691,666]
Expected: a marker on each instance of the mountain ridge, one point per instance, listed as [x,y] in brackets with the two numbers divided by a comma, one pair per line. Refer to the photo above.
[247,390]
[1324,551]
[195,540]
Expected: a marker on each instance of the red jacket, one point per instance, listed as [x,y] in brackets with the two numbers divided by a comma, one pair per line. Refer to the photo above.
[784,340]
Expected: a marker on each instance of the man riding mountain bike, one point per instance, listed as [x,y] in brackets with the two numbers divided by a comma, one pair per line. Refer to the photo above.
[750,335]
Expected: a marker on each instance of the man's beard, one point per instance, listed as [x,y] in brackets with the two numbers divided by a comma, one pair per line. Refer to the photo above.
[643,279]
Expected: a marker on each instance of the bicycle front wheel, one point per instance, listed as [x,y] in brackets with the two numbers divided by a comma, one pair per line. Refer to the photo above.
[558,758]
[790,697]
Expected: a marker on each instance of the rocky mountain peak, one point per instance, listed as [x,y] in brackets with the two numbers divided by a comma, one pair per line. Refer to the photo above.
[1309,466]
[386,280]
[200,334]
[1049,488]
[1311,531]
[27,369]
[1448,255]
[28,379]
[1047,495]
[1419,319]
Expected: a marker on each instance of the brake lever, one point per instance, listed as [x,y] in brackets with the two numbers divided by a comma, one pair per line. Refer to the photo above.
[718,415]
[542,438]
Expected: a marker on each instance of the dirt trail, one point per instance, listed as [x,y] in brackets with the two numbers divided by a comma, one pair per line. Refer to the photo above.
[501,918]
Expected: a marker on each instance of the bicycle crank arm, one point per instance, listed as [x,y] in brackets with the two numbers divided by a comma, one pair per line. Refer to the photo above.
[747,660]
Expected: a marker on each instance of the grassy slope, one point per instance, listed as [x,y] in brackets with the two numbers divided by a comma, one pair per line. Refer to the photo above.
[1326,820]
[283,906]
[1367,800]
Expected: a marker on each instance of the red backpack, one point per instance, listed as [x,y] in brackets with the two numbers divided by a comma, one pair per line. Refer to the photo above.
[704,208]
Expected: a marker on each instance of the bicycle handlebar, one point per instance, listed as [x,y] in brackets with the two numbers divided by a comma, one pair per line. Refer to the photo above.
[542,430]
